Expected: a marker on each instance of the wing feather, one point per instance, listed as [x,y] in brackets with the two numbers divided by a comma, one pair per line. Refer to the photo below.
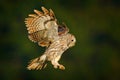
[42,27]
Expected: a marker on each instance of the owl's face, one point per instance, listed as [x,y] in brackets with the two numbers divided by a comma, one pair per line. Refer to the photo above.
[71,41]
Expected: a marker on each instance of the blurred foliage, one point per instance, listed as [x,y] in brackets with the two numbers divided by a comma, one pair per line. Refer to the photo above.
[95,23]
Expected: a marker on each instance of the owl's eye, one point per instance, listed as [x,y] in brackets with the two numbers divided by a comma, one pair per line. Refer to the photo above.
[72,40]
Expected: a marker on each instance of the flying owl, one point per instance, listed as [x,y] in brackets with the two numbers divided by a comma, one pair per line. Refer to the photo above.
[44,29]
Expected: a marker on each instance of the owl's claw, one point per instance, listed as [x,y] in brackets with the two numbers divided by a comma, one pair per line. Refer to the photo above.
[61,67]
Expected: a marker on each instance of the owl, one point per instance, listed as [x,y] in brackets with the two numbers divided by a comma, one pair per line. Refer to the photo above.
[44,29]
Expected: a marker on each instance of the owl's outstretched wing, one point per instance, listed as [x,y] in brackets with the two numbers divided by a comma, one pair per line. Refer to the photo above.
[42,27]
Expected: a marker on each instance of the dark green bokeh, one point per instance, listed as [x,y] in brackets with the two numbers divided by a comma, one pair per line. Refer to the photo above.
[95,23]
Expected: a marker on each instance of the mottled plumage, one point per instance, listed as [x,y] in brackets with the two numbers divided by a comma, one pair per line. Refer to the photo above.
[44,29]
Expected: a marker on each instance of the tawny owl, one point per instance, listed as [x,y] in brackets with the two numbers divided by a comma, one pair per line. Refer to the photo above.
[44,29]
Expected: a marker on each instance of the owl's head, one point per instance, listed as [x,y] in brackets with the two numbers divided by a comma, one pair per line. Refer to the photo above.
[71,40]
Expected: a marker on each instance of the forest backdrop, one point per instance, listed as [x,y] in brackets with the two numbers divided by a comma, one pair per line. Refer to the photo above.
[95,23]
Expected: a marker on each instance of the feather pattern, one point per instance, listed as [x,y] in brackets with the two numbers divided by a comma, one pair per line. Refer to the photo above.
[44,29]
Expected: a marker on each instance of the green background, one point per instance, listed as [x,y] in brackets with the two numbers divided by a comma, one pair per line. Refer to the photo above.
[95,23]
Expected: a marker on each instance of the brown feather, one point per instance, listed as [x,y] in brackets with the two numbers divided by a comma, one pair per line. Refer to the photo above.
[38,12]
[45,10]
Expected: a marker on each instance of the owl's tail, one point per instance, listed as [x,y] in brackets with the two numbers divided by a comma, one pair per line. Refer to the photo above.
[37,63]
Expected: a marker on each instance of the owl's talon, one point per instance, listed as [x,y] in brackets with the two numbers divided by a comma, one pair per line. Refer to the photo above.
[61,67]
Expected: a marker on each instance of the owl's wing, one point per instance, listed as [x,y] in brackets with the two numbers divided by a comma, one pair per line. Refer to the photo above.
[42,27]
[62,29]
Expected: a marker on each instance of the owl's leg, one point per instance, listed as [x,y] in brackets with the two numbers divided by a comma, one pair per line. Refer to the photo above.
[56,64]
